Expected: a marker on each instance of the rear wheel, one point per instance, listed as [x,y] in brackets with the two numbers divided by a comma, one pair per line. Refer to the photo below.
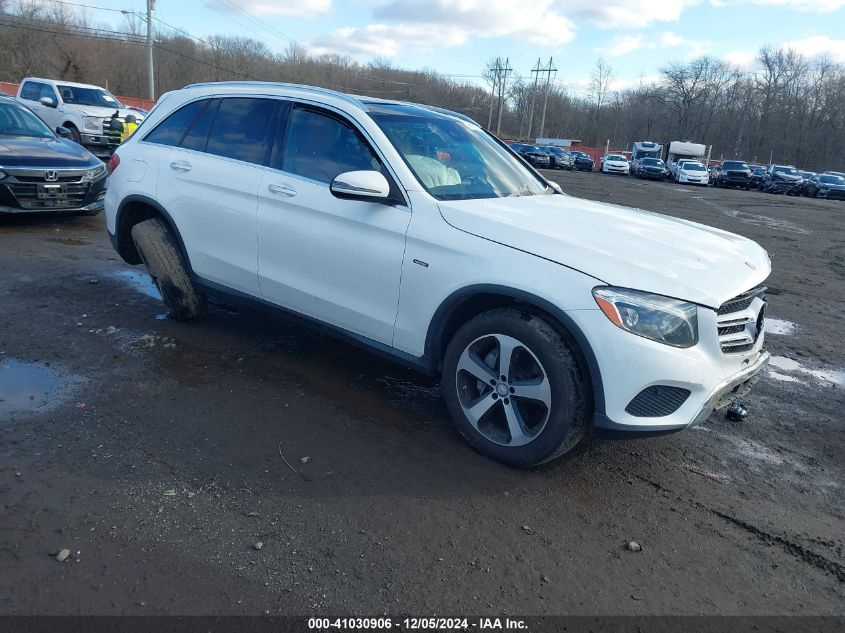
[160,252]
[515,389]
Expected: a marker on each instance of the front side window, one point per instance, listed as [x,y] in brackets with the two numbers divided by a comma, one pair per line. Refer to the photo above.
[242,129]
[832,180]
[452,158]
[17,121]
[173,128]
[321,147]
[75,95]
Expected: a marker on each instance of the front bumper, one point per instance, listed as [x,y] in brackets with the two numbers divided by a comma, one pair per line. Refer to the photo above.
[694,180]
[88,208]
[631,365]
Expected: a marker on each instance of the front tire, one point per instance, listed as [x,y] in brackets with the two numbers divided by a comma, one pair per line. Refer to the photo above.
[515,388]
[160,252]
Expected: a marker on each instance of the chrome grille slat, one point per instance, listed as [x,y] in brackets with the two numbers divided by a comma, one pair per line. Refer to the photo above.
[738,324]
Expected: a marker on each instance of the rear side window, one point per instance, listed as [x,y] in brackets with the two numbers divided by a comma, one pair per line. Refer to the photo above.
[242,129]
[31,91]
[173,128]
[321,147]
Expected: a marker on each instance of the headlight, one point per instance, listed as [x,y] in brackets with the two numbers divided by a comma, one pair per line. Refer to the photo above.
[91,122]
[655,317]
[94,173]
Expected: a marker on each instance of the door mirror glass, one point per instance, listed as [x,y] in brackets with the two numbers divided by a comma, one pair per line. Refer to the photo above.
[361,185]
[64,132]
[48,101]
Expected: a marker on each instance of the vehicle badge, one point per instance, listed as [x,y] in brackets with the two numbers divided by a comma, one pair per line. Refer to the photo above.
[51,176]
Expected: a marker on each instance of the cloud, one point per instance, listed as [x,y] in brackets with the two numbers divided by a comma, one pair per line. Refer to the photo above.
[818,45]
[387,40]
[609,14]
[814,6]
[428,25]
[740,58]
[534,21]
[290,8]
[624,44]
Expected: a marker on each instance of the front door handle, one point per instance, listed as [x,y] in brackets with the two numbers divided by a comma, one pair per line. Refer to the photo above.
[282,190]
[180,165]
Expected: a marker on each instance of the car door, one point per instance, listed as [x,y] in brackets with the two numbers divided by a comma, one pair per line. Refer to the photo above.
[336,260]
[30,95]
[208,182]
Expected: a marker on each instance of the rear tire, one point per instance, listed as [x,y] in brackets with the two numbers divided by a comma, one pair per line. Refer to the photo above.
[483,395]
[160,252]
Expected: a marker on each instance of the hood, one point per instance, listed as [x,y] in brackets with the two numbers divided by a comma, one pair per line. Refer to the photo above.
[834,186]
[21,151]
[619,246]
[787,177]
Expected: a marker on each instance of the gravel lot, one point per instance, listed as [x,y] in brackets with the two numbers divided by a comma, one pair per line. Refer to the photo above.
[161,454]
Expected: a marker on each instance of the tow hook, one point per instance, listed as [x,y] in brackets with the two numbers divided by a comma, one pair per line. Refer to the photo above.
[737,412]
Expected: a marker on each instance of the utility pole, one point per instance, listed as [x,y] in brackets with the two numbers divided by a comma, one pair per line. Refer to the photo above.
[150,79]
[551,69]
[496,72]
[506,69]
[536,70]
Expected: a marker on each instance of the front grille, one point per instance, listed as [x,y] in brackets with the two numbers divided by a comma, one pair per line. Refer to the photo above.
[27,196]
[38,179]
[739,321]
[657,401]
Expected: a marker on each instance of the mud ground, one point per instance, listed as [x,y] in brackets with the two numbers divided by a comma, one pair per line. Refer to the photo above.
[159,454]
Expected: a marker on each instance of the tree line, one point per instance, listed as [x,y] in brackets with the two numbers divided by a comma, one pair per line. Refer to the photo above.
[783,106]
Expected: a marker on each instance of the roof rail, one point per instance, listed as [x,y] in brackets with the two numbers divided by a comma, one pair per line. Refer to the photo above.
[280,84]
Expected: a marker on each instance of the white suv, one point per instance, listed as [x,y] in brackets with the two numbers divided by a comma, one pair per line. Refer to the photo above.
[411,230]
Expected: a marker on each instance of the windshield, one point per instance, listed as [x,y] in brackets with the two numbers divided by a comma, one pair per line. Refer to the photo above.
[693,167]
[579,154]
[735,164]
[832,180]
[617,158]
[16,121]
[88,97]
[556,150]
[452,158]
[653,162]
[785,170]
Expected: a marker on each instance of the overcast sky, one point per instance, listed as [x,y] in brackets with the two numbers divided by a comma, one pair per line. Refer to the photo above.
[457,37]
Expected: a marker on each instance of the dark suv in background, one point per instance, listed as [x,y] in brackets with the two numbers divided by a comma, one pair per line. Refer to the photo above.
[533,154]
[651,168]
[732,173]
[42,171]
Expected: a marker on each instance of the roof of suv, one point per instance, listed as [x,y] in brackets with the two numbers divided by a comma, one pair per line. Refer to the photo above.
[55,82]
[289,89]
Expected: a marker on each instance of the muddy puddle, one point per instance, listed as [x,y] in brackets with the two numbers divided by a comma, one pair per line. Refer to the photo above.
[139,281]
[789,370]
[32,388]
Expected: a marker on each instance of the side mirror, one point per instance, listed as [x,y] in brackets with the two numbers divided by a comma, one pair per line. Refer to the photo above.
[555,186]
[48,101]
[63,132]
[361,185]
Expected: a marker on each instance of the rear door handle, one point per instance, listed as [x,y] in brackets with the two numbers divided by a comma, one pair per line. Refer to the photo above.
[180,165]
[283,190]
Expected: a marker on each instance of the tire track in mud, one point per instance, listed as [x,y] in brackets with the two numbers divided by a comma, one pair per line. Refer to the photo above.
[794,549]
[797,551]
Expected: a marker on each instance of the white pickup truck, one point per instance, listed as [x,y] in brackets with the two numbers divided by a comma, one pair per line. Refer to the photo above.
[83,109]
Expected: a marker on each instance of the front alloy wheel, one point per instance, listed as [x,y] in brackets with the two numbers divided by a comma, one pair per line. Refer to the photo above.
[515,388]
[503,390]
